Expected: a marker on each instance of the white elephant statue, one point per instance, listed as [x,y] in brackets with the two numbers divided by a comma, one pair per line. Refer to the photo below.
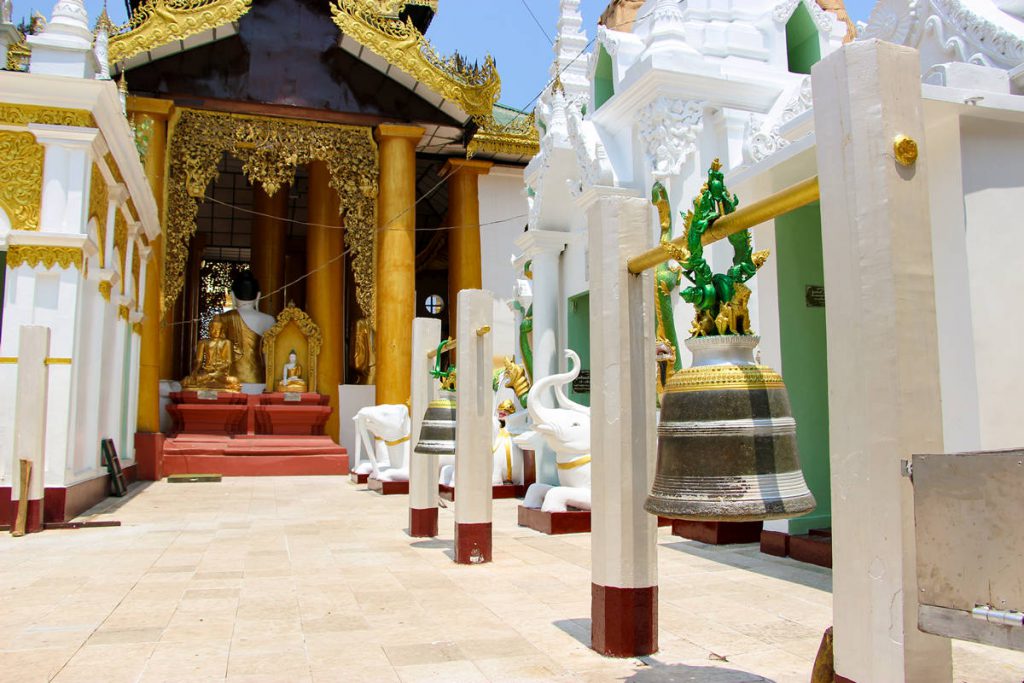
[384,432]
[566,430]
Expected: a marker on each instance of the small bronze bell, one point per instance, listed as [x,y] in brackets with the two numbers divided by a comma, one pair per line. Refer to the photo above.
[727,446]
[437,433]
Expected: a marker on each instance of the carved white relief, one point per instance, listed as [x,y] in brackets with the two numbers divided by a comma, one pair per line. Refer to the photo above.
[801,102]
[762,137]
[986,38]
[668,131]
[822,19]
[591,156]
[895,21]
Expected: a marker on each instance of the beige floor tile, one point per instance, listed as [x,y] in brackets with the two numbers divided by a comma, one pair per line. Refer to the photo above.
[440,672]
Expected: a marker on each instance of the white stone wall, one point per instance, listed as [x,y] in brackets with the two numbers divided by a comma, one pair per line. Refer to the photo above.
[502,199]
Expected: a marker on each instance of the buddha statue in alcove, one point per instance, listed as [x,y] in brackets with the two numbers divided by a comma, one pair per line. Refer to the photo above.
[291,375]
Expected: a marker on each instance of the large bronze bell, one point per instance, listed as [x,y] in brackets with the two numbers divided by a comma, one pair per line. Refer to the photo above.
[437,433]
[727,440]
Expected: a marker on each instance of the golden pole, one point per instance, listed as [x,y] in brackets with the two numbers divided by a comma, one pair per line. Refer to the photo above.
[151,353]
[464,237]
[396,260]
[325,291]
[21,520]
[268,237]
[743,218]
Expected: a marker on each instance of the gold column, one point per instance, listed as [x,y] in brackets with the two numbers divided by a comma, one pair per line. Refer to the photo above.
[325,289]
[464,237]
[150,351]
[268,236]
[396,260]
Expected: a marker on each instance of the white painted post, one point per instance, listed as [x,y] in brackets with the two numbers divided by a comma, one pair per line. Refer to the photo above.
[30,419]
[883,363]
[624,591]
[474,409]
[67,165]
[426,335]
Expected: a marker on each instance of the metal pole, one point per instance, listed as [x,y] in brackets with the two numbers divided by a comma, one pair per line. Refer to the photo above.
[772,206]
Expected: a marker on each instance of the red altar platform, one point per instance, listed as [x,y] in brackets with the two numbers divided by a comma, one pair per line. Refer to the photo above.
[250,435]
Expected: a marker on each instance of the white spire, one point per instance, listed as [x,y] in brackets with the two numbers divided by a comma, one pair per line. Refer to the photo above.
[667,31]
[570,65]
[64,48]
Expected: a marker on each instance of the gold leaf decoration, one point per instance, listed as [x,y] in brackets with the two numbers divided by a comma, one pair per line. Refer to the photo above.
[21,179]
[18,55]
[123,311]
[98,205]
[105,288]
[518,137]
[24,114]
[33,255]
[136,270]
[158,22]
[121,243]
[474,88]
[270,150]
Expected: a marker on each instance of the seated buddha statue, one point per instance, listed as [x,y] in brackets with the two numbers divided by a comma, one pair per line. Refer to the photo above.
[212,364]
[291,375]
[245,326]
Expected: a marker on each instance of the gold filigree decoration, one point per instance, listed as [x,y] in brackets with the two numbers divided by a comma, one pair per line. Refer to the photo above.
[517,137]
[474,88]
[18,56]
[121,243]
[98,205]
[158,22]
[270,151]
[33,255]
[24,114]
[105,288]
[724,378]
[21,179]
[393,7]
[315,340]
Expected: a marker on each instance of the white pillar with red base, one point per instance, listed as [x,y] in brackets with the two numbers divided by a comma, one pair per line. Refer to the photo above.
[883,357]
[624,591]
[30,420]
[474,411]
[423,468]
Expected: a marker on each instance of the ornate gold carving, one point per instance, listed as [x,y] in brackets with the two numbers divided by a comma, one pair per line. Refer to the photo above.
[270,150]
[905,150]
[517,137]
[724,378]
[474,88]
[32,255]
[393,7]
[158,22]
[18,56]
[137,328]
[21,179]
[105,288]
[121,243]
[123,312]
[24,114]
[293,314]
[98,205]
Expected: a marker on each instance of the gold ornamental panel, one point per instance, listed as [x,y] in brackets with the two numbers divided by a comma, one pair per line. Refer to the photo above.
[98,205]
[34,255]
[158,22]
[21,179]
[271,150]
[24,114]
[724,378]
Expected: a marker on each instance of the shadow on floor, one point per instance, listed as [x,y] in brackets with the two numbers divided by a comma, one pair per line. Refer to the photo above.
[659,672]
[737,556]
[112,504]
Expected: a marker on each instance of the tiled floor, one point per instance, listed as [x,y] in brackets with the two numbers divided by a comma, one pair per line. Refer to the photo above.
[298,579]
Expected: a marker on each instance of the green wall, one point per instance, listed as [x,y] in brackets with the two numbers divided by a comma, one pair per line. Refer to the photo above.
[579,338]
[804,355]
[604,79]
[802,41]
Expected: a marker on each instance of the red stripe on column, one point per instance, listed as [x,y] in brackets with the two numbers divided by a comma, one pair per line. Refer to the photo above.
[624,621]
[470,537]
[423,523]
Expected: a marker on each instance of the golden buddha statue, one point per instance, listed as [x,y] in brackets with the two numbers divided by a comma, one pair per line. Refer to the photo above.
[245,326]
[291,375]
[213,363]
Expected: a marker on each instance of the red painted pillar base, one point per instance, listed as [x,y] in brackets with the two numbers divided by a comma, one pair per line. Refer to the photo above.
[423,523]
[624,620]
[149,455]
[470,538]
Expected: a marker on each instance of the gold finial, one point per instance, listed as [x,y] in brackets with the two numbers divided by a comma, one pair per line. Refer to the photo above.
[103,21]
[122,83]
[716,165]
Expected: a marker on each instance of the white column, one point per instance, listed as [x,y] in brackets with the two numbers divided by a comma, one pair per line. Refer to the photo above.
[30,402]
[67,166]
[883,359]
[543,248]
[423,469]
[624,591]
[474,409]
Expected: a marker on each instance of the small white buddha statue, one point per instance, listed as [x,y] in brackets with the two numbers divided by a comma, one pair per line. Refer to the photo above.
[291,375]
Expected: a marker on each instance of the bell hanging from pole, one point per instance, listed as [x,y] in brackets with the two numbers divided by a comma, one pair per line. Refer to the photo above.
[727,448]
[437,433]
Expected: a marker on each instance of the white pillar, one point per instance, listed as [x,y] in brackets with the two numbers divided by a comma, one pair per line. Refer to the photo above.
[426,336]
[474,409]
[30,401]
[624,590]
[883,367]
[67,167]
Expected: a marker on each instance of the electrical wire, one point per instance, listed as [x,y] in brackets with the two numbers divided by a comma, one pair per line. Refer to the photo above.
[537,21]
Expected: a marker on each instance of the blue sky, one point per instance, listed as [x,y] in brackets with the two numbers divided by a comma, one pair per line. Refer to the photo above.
[502,28]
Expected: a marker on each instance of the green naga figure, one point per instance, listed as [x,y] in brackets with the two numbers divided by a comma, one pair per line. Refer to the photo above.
[719,299]
[667,277]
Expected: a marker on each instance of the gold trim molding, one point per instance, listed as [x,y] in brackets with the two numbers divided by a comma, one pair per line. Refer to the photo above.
[724,378]
[21,178]
[33,255]
[474,88]
[314,339]
[270,150]
[158,22]
[518,137]
[11,360]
